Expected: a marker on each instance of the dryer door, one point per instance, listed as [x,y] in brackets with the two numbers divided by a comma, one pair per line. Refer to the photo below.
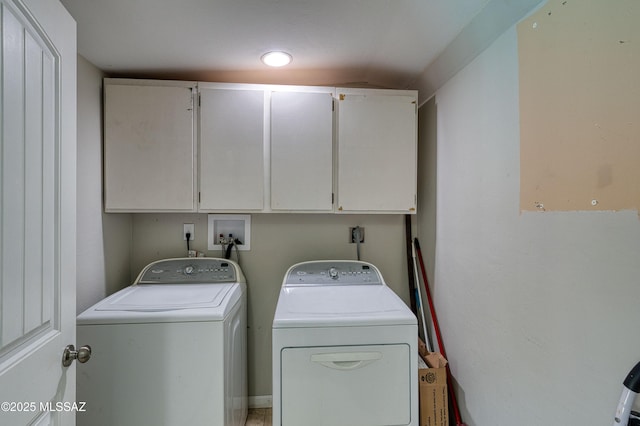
[346,385]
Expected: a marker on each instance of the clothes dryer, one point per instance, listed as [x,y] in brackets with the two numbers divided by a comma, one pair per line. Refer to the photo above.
[344,349]
[168,350]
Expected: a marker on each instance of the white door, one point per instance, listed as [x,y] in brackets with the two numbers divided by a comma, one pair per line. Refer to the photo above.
[377,150]
[302,150]
[231,147]
[150,169]
[37,212]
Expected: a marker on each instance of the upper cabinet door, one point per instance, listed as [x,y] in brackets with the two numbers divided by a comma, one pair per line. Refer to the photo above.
[302,150]
[377,151]
[148,146]
[260,148]
[231,148]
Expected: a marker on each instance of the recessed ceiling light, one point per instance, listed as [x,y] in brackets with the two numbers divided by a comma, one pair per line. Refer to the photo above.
[276,59]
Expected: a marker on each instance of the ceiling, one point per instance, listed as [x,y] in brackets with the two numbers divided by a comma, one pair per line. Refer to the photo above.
[377,43]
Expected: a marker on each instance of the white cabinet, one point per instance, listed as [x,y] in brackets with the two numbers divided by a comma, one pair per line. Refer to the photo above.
[149,146]
[302,149]
[377,151]
[231,161]
[260,148]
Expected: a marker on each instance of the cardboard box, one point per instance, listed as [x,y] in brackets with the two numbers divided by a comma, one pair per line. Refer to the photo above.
[432,383]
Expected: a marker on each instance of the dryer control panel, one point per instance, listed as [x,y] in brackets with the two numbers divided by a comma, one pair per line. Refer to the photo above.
[341,272]
[188,270]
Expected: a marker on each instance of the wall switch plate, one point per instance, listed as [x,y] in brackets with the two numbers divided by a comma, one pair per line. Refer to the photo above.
[188,228]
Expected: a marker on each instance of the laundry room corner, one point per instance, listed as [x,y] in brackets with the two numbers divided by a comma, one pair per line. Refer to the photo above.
[277,242]
[103,240]
[114,247]
[427,184]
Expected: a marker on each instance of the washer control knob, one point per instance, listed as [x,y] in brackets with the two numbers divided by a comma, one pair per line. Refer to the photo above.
[189,270]
[333,273]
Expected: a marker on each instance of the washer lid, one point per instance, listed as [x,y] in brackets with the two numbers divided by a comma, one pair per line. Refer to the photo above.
[151,303]
[335,306]
[153,298]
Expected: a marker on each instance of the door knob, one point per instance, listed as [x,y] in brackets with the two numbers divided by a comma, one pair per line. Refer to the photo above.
[70,354]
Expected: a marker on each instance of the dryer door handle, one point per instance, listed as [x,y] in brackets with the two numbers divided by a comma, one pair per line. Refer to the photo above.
[346,360]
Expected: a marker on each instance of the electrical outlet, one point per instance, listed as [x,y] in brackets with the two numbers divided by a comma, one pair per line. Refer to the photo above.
[353,237]
[190,229]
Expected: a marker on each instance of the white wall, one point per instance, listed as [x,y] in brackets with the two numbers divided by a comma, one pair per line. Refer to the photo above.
[103,241]
[538,310]
[427,184]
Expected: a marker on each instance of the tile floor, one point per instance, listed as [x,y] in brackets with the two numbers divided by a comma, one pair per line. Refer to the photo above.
[259,417]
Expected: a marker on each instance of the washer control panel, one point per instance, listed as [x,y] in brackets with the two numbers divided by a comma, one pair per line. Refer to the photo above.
[189,270]
[341,272]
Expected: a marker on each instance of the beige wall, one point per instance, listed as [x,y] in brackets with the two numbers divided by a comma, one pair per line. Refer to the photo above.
[579,64]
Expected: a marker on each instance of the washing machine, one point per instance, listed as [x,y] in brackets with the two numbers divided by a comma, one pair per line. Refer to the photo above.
[344,349]
[171,349]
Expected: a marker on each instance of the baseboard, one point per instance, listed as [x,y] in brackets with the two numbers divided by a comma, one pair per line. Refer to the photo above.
[260,401]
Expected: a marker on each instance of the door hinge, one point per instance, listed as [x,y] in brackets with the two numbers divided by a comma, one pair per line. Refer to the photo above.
[193,94]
